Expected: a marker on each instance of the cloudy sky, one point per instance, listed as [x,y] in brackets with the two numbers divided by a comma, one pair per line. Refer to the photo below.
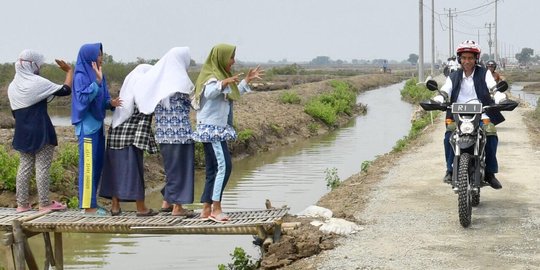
[296,30]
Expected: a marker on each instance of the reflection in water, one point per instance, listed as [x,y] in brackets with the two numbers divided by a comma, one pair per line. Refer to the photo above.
[292,176]
[516,89]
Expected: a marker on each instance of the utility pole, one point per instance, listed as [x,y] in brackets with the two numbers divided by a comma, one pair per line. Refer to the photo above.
[490,42]
[432,37]
[450,31]
[496,29]
[421,40]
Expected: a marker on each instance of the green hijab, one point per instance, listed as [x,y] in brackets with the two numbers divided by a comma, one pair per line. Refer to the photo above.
[214,67]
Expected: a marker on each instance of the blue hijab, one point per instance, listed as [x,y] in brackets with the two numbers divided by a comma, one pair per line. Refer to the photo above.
[83,78]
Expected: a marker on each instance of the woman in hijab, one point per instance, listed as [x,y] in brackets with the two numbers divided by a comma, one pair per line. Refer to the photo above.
[35,137]
[129,135]
[165,90]
[89,103]
[215,90]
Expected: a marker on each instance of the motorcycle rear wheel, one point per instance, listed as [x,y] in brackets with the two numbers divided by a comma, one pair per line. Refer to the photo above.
[464,190]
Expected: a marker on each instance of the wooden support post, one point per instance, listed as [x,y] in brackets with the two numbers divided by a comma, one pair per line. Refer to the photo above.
[58,251]
[18,245]
[30,260]
[6,243]
[49,255]
[277,231]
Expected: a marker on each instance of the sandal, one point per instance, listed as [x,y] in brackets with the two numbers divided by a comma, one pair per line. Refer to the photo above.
[53,206]
[167,209]
[100,211]
[220,218]
[150,213]
[188,213]
[22,209]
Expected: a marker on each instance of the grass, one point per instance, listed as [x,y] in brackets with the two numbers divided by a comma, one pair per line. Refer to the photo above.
[332,178]
[414,93]
[245,135]
[327,107]
[289,97]
[8,169]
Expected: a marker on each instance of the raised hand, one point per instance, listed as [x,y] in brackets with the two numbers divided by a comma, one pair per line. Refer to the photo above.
[99,73]
[254,73]
[63,65]
[116,102]
[233,79]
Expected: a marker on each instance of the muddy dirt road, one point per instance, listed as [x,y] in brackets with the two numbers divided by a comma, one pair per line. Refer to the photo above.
[411,220]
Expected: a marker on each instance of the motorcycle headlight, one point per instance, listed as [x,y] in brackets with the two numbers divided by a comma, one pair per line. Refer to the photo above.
[466,127]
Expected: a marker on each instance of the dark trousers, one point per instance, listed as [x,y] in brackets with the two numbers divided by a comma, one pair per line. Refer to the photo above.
[218,170]
[491,153]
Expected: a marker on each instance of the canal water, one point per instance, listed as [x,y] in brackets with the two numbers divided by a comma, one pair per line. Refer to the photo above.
[292,176]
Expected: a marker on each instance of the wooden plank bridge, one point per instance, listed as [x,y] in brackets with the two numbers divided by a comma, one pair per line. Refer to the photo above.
[18,227]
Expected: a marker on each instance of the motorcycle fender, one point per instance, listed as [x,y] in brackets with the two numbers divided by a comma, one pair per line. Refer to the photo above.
[466,142]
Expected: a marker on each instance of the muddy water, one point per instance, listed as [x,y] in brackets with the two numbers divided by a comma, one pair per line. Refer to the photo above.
[294,176]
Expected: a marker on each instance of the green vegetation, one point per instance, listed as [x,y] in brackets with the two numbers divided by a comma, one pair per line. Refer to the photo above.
[293,69]
[245,135]
[414,93]
[365,165]
[313,128]
[8,169]
[327,107]
[241,261]
[289,97]
[276,129]
[332,178]
[416,128]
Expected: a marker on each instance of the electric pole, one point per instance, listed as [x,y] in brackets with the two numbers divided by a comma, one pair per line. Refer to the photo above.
[421,41]
[432,37]
[490,42]
[496,29]
[451,32]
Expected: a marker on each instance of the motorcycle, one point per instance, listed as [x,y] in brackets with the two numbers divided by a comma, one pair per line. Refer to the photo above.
[468,141]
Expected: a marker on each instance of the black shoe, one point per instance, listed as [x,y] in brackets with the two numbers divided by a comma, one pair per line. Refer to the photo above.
[492,180]
[448,178]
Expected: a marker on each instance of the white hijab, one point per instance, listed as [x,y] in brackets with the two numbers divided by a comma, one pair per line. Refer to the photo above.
[28,88]
[166,77]
[127,95]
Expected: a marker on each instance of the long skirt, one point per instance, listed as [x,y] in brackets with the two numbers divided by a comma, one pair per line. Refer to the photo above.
[179,164]
[123,174]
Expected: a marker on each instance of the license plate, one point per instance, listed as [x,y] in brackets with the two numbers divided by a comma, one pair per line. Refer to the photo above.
[466,108]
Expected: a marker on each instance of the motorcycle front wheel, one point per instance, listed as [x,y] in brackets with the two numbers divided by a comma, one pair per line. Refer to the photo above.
[464,190]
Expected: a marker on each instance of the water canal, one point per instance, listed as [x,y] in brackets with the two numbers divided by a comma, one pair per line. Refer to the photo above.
[293,176]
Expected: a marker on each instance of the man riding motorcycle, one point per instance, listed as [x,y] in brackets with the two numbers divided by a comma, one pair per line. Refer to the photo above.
[469,83]
[492,65]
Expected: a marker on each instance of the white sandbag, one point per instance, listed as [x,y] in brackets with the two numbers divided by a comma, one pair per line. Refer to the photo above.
[340,226]
[316,211]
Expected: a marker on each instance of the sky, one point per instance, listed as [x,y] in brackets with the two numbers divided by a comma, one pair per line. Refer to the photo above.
[262,30]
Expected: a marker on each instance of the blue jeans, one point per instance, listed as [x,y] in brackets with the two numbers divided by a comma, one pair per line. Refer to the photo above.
[491,153]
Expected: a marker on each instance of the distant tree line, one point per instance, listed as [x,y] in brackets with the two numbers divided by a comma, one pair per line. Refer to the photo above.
[115,72]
